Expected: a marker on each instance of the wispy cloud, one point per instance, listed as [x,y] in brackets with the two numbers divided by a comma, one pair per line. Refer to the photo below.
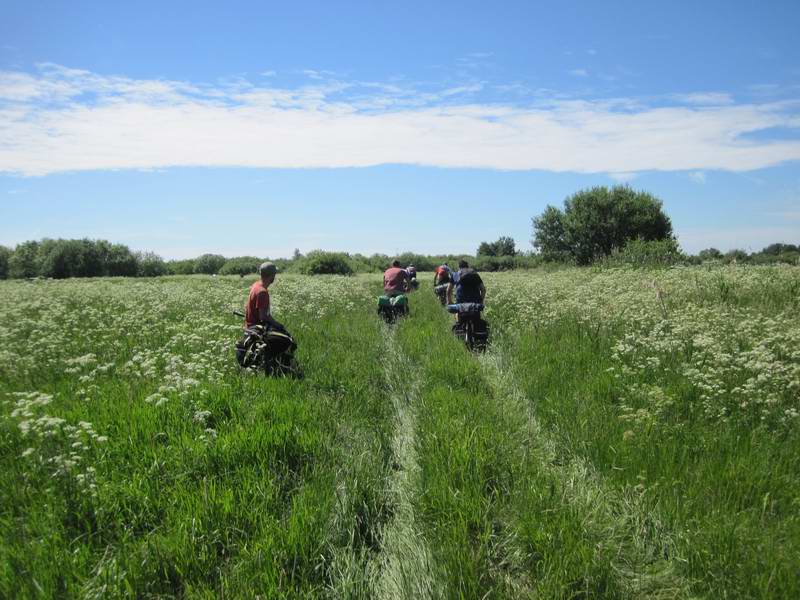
[698,176]
[705,98]
[579,72]
[623,177]
[60,119]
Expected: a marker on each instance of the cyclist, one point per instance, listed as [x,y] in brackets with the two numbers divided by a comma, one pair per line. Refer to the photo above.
[257,310]
[395,280]
[467,284]
[442,275]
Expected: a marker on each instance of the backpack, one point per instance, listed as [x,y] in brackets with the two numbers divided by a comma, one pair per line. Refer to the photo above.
[468,288]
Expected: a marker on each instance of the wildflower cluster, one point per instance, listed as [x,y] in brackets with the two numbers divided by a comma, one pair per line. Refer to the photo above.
[719,344]
[59,448]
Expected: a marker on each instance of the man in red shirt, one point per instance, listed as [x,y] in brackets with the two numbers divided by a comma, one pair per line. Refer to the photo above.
[256,311]
[395,280]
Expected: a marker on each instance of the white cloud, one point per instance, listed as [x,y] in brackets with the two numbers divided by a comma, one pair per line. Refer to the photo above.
[69,120]
[698,176]
[579,72]
[622,177]
[705,98]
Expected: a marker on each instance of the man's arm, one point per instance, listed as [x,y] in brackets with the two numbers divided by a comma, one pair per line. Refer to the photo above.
[450,293]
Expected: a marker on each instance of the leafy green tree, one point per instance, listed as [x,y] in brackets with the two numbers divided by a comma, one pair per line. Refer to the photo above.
[240,265]
[504,246]
[24,262]
[319,262]
[736,255]
[776,249]
[598,220]
[5,254]
[120,261]
[150,264]
[550,237]
[209,264]
[710,254]
[420,261]
[181,267]
[70,258]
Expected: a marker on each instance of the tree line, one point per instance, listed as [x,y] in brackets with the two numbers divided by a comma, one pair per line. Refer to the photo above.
[603,225]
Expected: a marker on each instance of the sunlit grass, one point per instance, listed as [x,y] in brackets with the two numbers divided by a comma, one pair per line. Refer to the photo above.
[630,433]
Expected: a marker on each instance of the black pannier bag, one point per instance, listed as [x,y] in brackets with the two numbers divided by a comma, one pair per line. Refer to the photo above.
[470,326]
[268,349]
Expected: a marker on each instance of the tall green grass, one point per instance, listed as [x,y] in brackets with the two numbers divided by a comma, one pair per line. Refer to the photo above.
[726,492]
[600,449]
[277,489]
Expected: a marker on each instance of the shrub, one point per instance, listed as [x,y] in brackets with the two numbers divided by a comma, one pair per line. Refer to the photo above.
[180,267]
[209,264]
[241,265]
[493,263]
[150,265]
[643,253]
[319,262]
[504,246]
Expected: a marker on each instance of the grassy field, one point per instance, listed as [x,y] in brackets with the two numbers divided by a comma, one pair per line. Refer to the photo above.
[630,434]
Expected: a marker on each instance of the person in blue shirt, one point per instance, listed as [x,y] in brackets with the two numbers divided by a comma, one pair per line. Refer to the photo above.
[467,285]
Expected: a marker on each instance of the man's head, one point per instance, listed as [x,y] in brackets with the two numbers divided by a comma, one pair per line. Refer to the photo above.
[462,264]
[268,271]
[396,263]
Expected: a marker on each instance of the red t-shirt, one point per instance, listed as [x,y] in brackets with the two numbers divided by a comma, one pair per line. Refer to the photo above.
[394,279]
[259,298]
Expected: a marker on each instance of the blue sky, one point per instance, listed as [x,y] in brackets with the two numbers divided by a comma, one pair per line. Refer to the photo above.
[257,128]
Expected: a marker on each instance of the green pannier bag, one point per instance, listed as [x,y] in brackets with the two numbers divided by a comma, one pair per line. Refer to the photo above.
[398,301]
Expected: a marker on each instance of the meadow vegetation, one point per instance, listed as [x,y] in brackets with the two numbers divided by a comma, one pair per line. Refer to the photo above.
[631,433]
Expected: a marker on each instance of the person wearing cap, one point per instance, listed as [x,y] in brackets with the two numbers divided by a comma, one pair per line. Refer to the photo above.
[256,311]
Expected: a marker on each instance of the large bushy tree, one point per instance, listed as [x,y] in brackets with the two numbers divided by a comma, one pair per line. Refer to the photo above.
[5,254]
[24,262]
[596,221]
[504,246]
[150,264]
[209,264]
[319,262]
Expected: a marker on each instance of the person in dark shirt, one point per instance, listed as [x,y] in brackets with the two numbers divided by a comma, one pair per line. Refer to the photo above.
[467,284]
